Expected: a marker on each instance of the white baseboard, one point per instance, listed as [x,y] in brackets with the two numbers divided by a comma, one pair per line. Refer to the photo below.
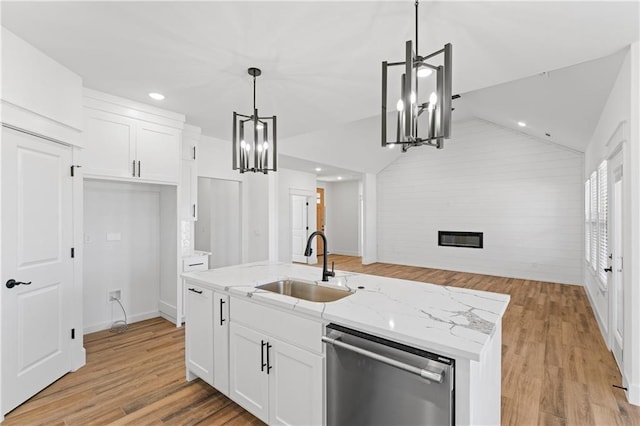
[345,253]
[604,329]
[130,320]
[633,391]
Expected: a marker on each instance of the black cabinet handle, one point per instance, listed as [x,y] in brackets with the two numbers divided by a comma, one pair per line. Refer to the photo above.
[195,291]
[196,264]
[12,283]
[194,210]
[194,152]
[269,367]
[262,345]
[222,320]
[609,269]
[139,168]
[134,168]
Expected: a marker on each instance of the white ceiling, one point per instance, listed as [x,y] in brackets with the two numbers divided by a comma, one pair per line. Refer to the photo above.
[321,60]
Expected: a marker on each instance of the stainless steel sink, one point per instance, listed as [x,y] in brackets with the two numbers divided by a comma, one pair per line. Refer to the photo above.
[306,291]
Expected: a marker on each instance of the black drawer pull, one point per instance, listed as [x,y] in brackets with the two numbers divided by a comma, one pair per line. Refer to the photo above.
[262,345]
[195,291]
[196,264]
[222,320]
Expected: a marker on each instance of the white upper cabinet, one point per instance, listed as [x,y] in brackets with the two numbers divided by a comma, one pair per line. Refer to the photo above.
[189,178]
[158,152]
[127,140]
[110,141]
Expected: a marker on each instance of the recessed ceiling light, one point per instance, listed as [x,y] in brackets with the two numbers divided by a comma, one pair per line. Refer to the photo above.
[156,96]
[339,177]
[318,169]
[522,124]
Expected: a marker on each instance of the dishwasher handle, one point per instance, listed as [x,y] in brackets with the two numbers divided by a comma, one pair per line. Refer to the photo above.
[429,375]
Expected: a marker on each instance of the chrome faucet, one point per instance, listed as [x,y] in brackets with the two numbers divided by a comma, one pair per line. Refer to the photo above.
[307,252]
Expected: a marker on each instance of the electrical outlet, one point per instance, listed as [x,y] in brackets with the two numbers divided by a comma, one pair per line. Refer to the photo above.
[114,295]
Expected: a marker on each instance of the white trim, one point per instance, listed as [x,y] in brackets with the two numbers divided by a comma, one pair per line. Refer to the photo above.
[601,323]
[130,320]
[128,108]
[22,119]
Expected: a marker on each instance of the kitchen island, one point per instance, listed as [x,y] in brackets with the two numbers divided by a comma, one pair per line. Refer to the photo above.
[461,324]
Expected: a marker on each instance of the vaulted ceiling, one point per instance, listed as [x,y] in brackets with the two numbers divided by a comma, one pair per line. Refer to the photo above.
[321,60]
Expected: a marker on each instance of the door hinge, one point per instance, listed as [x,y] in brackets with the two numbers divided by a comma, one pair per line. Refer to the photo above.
[73,333]
[73,252]
[73,170]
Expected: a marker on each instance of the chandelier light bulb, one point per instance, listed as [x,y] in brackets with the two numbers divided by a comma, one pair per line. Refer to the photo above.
[413,97]
[243,144]
[433,99]
[247,147]
[265,145]
[400,105]
[259,126]
[424,71]
[260,148]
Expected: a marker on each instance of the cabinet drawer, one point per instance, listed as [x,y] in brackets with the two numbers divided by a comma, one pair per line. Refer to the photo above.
[301,332]
[195,263]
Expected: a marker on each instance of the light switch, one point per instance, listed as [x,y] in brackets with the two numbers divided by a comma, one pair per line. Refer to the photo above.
[114,236]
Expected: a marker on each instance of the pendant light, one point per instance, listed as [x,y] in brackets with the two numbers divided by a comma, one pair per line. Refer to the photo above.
[254,138]
[423,114]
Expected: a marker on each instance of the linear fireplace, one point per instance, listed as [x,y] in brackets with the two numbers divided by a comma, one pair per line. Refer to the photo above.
[460,239]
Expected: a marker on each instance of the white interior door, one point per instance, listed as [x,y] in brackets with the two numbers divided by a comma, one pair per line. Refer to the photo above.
[36,252]
[299,227]
[616,293]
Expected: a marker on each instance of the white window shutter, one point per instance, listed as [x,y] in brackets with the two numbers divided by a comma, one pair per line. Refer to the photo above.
[603,237]
[587,221]
[593,237]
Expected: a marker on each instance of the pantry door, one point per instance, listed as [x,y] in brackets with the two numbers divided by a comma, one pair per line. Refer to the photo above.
[299,227]
[37,269]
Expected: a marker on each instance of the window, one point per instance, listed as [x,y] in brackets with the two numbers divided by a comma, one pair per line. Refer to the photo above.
[603,243]
[596,242]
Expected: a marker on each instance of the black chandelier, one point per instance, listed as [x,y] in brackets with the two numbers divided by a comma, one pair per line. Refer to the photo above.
[433,97]
[259,153]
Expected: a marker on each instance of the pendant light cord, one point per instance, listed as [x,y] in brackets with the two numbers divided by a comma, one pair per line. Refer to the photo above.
[417,29]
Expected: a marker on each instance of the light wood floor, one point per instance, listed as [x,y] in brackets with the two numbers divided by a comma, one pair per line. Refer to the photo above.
[555,366]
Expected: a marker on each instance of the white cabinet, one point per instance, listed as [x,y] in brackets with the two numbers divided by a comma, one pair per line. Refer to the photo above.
[207,336]
[199,332]
[277,381]
[189,177]
[189,185]
[221,342]
[198,261]
[119,145]
[110,144]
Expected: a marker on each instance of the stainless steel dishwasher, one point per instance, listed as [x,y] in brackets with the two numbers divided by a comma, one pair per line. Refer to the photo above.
[375,381]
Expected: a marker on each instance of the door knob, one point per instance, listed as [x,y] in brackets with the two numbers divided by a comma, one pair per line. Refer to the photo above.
[609,269]
[12,283]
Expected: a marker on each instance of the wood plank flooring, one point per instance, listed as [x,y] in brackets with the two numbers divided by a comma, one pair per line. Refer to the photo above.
[556,369]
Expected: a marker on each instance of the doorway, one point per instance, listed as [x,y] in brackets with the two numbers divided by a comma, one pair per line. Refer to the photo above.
[37,265]
[320,219]
[616,293]
[218,228]
[299,227]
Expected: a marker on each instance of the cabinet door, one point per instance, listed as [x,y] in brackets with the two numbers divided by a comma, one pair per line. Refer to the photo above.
[199,331]
[189,191]
[110,144]
[158,153]
[295,386]
[221,342]
[189,147]
[249,384]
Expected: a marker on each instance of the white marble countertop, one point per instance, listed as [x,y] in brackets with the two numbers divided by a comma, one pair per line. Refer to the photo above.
[451,321]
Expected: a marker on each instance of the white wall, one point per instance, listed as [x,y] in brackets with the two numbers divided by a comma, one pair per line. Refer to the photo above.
[615,111]
[342,204]
[33,82]
[297,183]
[218,228]
[131,264]
[523,193]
